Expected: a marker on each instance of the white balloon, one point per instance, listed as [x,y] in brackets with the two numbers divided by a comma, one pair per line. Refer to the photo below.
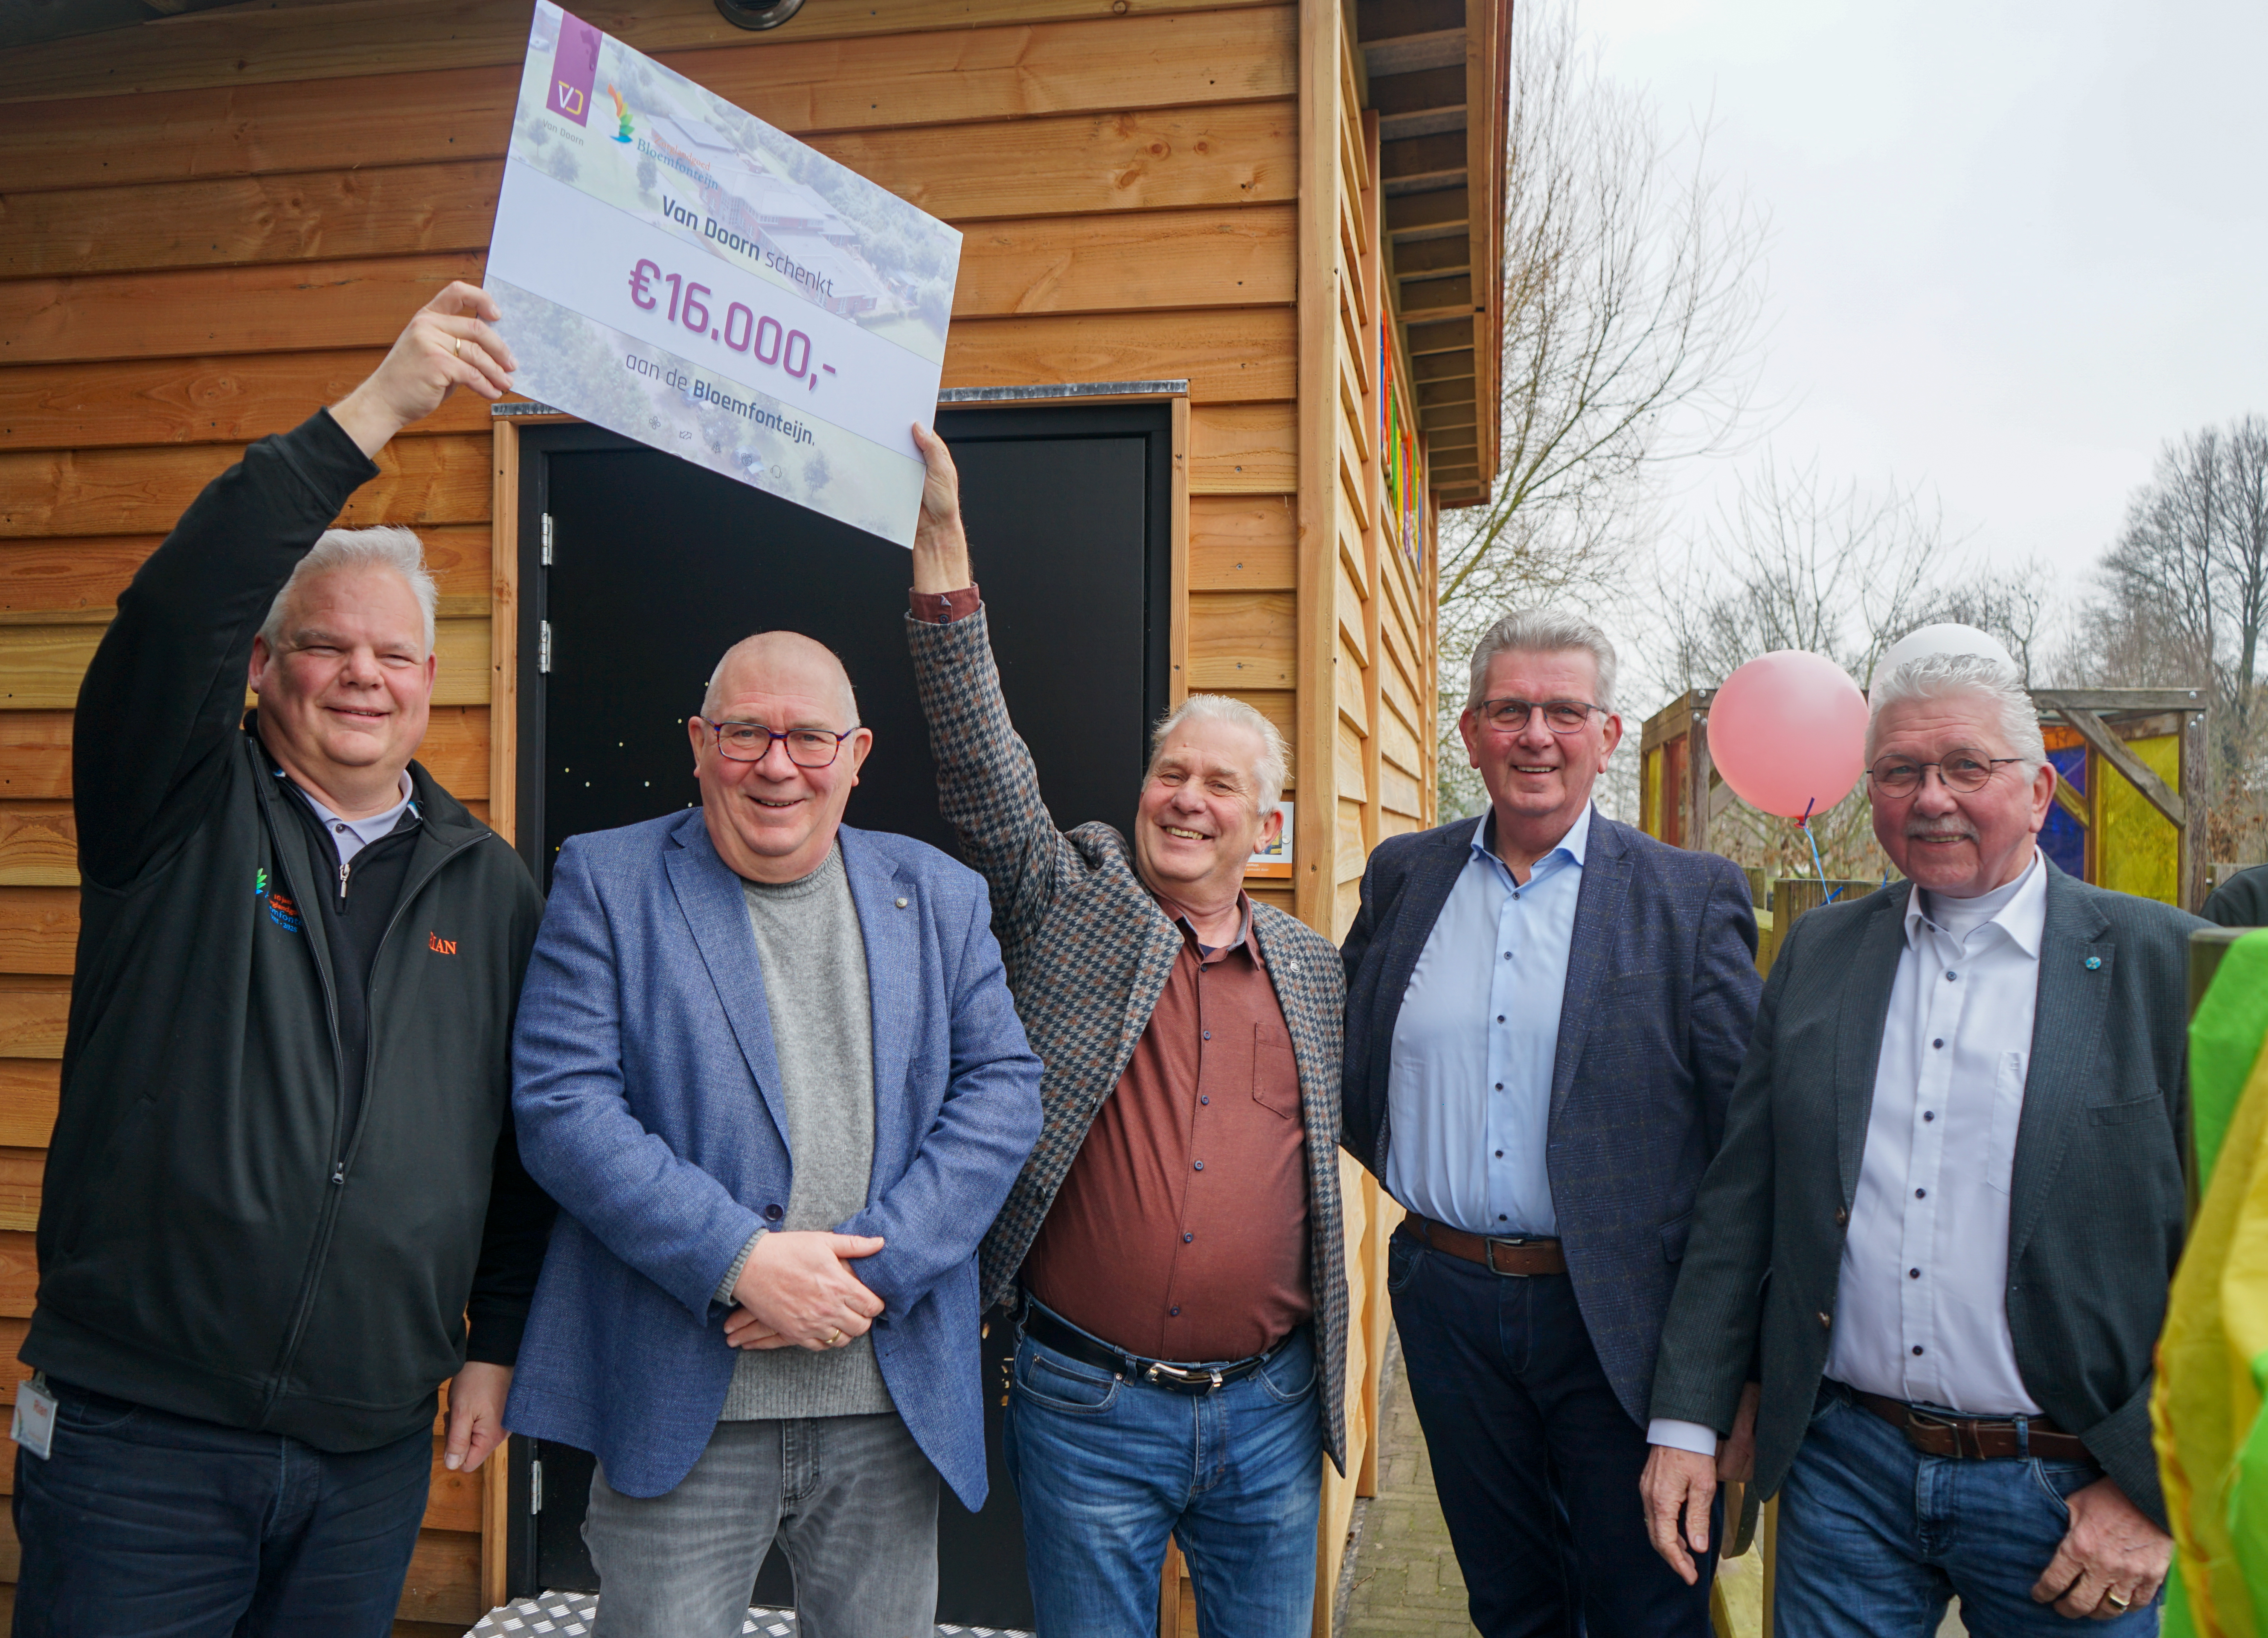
[1930,640]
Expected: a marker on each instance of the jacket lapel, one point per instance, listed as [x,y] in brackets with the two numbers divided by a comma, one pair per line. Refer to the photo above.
[893,942]
[709,894]
[2066,1022]
[1598,912]
[1431,878]
[1860,1018]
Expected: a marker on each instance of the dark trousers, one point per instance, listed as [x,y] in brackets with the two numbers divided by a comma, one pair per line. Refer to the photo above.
[1536,1461]
[162,1526]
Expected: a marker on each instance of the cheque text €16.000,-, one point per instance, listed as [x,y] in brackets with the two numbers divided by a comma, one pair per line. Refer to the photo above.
[739,328]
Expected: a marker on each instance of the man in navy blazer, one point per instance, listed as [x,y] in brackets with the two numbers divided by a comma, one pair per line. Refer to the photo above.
[1545,1014]
[768,1066]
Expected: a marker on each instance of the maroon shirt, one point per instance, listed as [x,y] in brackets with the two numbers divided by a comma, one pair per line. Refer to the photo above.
[1180,1231]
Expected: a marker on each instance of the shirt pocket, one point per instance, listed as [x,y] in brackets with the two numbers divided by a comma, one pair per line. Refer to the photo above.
[1274,1070]
[2007,1114]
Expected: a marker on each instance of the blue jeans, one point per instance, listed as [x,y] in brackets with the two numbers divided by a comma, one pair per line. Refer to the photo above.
[1534,1458]
[163,1526]
[1874,1537]
[1107,1469]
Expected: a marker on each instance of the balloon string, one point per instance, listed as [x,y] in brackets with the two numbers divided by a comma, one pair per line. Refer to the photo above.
[1804,826]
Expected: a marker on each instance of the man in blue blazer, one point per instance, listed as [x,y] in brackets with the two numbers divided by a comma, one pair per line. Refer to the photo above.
[768,1066]
[1545,1014]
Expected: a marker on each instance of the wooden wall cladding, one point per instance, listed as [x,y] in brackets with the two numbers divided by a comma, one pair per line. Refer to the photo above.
[210,226]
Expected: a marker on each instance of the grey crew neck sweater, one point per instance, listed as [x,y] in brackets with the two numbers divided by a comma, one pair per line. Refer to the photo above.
[813,959]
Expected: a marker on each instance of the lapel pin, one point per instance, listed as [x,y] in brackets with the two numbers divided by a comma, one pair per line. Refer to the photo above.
[902,904]
[2095,963]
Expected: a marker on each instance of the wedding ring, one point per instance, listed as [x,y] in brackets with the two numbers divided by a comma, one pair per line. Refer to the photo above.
[836,1339]
[459,347]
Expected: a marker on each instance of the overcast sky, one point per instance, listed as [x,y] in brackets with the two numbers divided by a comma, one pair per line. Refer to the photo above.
[2014,246]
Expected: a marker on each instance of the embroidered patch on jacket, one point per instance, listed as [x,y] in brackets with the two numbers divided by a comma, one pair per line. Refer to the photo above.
[283,912]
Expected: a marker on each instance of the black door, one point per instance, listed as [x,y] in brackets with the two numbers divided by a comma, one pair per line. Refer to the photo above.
[656,566]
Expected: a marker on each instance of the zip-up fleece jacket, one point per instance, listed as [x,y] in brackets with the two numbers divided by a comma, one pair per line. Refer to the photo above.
[214,1239]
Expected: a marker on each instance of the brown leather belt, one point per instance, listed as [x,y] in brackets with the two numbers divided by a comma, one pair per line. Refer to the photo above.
[1975,1438]
[1519,1255]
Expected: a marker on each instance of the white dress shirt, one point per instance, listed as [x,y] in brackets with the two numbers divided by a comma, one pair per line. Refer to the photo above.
[1922,1311]
[1921,1308]
[1468,1086]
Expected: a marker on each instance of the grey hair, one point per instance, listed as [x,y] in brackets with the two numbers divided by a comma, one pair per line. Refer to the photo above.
[395,548]
[1273,765]
[1543,632]
[709,696]
[1939,676]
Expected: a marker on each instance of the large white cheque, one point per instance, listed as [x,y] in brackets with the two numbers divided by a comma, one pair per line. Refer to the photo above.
[675,269]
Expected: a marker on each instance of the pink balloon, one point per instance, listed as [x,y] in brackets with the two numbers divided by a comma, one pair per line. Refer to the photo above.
[1788,731]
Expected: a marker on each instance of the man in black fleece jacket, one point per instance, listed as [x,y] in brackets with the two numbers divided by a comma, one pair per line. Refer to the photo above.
[283,1178]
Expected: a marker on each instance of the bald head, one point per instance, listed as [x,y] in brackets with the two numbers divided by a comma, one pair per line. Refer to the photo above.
[780,662]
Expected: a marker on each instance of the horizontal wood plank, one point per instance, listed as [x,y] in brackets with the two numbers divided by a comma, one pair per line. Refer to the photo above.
[39,845]
[1215,258]
[1241,640]
[88,573]
[1237,449]
[798,82]
[249,45]
[36,753]
[35,1013]
[300,217]
[39,933]
[1227,357]
[198,312]
[129,492]
[212,400]
[1241,154]
[1239,543]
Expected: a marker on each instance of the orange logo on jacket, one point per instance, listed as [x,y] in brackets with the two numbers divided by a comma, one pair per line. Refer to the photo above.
[440,946]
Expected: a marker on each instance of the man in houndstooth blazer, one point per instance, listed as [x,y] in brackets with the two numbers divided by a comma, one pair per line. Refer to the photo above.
[1180,1362]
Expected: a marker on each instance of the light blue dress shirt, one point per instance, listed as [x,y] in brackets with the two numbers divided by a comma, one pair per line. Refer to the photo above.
[1469,1093]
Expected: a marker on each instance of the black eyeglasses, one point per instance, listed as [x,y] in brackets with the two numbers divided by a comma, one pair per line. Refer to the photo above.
[752,741]
[1965,771]
[1561,716]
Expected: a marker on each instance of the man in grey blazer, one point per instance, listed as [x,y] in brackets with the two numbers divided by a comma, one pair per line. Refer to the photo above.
[1545,1014]
[1946,1213]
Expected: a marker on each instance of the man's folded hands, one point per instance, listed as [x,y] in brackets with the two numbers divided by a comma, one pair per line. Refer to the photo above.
[797,1290]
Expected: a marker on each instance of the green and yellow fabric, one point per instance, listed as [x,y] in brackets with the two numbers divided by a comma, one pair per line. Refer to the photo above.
[2212,1359]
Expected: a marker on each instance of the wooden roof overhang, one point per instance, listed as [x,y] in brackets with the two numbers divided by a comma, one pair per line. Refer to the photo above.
[1439,75]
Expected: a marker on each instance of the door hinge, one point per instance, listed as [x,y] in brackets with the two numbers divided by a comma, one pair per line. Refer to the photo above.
[543,645]
[546,540]
[535,1487]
